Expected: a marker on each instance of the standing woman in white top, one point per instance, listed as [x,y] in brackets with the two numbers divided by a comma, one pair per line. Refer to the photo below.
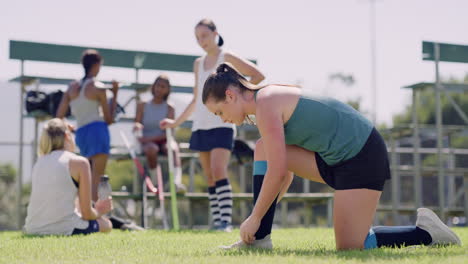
[211,136]
[87,102]
[58,177]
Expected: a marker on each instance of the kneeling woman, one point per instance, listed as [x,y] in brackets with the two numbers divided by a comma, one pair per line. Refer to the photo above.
[58,177]
[323,140]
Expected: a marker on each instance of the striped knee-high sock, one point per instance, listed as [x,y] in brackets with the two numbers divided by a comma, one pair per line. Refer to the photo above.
[224,193]
[214,208]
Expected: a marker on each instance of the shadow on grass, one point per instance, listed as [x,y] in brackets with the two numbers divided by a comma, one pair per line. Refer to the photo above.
[29,236]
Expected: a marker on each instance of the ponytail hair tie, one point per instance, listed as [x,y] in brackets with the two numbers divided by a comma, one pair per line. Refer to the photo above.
[223,67]
[220,41]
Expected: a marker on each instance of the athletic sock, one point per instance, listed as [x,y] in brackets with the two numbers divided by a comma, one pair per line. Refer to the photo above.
[214,208]
[260,168]
[154,174]
[396,236]
[224,194]
[177,175]
[117,222]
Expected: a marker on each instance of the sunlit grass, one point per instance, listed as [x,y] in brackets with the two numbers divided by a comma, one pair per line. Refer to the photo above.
[311,245]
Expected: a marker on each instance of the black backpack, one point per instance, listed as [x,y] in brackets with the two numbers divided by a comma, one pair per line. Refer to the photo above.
[54,102]
[37,101]
[241,149]
[47,104]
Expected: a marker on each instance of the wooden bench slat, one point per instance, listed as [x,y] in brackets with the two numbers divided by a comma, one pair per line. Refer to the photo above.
[236,196]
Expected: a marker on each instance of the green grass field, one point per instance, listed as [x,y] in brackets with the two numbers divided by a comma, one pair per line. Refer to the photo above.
[312,245]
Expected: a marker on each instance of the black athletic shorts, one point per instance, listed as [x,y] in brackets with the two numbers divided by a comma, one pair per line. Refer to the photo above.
[207,140]
[369,169]
[93,227]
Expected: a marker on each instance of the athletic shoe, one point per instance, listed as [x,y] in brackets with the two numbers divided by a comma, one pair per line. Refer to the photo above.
[180,188]
[225,227]
[264,243]
[215,226]
[440,233]
[131,227]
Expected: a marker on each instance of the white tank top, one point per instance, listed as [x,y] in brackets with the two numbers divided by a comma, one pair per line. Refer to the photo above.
[51,209]
[203,119]
[83,109]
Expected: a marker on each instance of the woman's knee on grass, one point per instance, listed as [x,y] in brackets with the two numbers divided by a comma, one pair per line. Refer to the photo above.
[353,214]
[349,244]
[349,234]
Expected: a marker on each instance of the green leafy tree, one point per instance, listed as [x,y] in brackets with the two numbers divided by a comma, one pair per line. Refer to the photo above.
[426,109]
[7,196]
[426,115]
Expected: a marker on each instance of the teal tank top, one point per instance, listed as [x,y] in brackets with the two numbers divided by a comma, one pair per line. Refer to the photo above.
[335,130]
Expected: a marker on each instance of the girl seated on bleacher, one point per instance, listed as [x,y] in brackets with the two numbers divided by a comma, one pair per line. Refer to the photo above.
[59,176]
[153,140]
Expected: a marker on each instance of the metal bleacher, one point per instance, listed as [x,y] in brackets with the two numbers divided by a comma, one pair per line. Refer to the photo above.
[135,61]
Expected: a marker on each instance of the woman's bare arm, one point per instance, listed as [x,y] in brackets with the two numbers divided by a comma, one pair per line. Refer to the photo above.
[64,103]
[245,67]
[270,125]
[191,106]
[81,172]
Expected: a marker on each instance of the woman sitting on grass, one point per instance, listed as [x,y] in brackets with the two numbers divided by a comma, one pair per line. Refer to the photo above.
[58,177]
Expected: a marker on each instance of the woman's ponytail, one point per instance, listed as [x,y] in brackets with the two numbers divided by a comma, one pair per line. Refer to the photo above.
[52,137]
[220,41]
[211,25]
[229,69]
[217,83]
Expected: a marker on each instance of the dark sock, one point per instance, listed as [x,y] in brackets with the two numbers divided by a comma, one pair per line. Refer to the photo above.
[400,236]
[117,222]
[267,220]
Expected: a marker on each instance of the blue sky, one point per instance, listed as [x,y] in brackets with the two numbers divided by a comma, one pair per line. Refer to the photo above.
[298,42]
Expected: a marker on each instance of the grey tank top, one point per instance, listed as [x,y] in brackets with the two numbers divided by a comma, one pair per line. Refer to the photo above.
[51,209]
[83,109]
[152,115]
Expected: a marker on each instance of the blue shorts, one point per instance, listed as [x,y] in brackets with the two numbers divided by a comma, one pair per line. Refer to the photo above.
[93,227]
[206,140]
[93,139]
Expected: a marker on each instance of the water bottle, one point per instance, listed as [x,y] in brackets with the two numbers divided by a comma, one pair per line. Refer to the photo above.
[104,188]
